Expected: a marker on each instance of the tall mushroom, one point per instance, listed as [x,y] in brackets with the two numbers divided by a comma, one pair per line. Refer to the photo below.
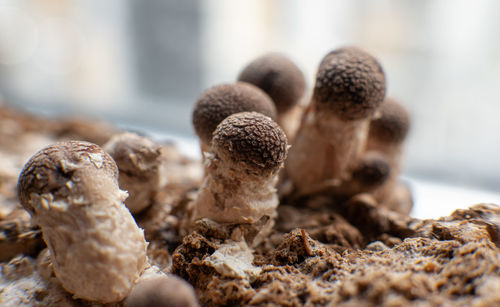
[71,191]
[248,149]
[350,85]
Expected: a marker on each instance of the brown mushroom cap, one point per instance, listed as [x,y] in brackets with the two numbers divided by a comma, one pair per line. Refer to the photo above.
[165,291]
[350,83]
[251,140]
[49,170]
[218,102]
[372,170]
[279,77]
[393,124]
[135,155]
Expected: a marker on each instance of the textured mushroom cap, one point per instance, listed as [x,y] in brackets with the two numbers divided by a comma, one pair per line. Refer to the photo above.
[49,169]
[135,155]
[350,83]
[252,141]
[393,124]
[165,291]
[218,102]
[373,169]
[279,77]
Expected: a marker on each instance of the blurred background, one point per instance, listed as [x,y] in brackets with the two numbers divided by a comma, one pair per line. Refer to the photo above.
[142,64]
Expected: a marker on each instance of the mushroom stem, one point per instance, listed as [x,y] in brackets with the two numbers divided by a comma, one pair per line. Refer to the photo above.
[289,121]
[230,196]
[327,149]
[218,102]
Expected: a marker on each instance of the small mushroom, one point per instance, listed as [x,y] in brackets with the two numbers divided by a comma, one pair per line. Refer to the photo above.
[248,149]
[138,159]
[284,82]
[164,291]
[387,134]
[218,102]
[370,172]
[71,191]
[350,85]
[388,131]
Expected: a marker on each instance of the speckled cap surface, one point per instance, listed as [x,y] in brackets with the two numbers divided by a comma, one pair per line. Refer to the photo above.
[49,169]
[218,102]
[252,140]
[350,83]
[279,77]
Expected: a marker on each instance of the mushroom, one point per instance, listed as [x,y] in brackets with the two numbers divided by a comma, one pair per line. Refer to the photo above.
[387,134]
[370,172]
[388,131]
[71,191]
[218,102]
[284,82]
[248,149]
[350,85]
[138,159]
[162,291]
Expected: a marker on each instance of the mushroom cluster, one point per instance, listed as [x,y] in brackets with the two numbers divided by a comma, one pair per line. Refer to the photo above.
[261,145]
[346,142]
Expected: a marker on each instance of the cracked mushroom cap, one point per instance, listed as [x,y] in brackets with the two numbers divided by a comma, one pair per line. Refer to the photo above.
[251,141]
[49,170]
[279,77]
[218,102]
[392,126]
[350,83]
[162,291]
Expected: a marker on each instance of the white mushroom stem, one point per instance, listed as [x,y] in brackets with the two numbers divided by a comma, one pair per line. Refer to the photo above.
[289,121]
[231,196]
[325,149]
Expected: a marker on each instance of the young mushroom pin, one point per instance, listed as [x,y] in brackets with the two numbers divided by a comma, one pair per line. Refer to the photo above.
[387,134]
[350,85]
[218,102]
[248,149]
[138,159]
[71,191]
[370,172]
[162,291]
[284,82]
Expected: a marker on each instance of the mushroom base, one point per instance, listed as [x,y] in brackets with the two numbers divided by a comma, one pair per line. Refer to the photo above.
[230,196]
